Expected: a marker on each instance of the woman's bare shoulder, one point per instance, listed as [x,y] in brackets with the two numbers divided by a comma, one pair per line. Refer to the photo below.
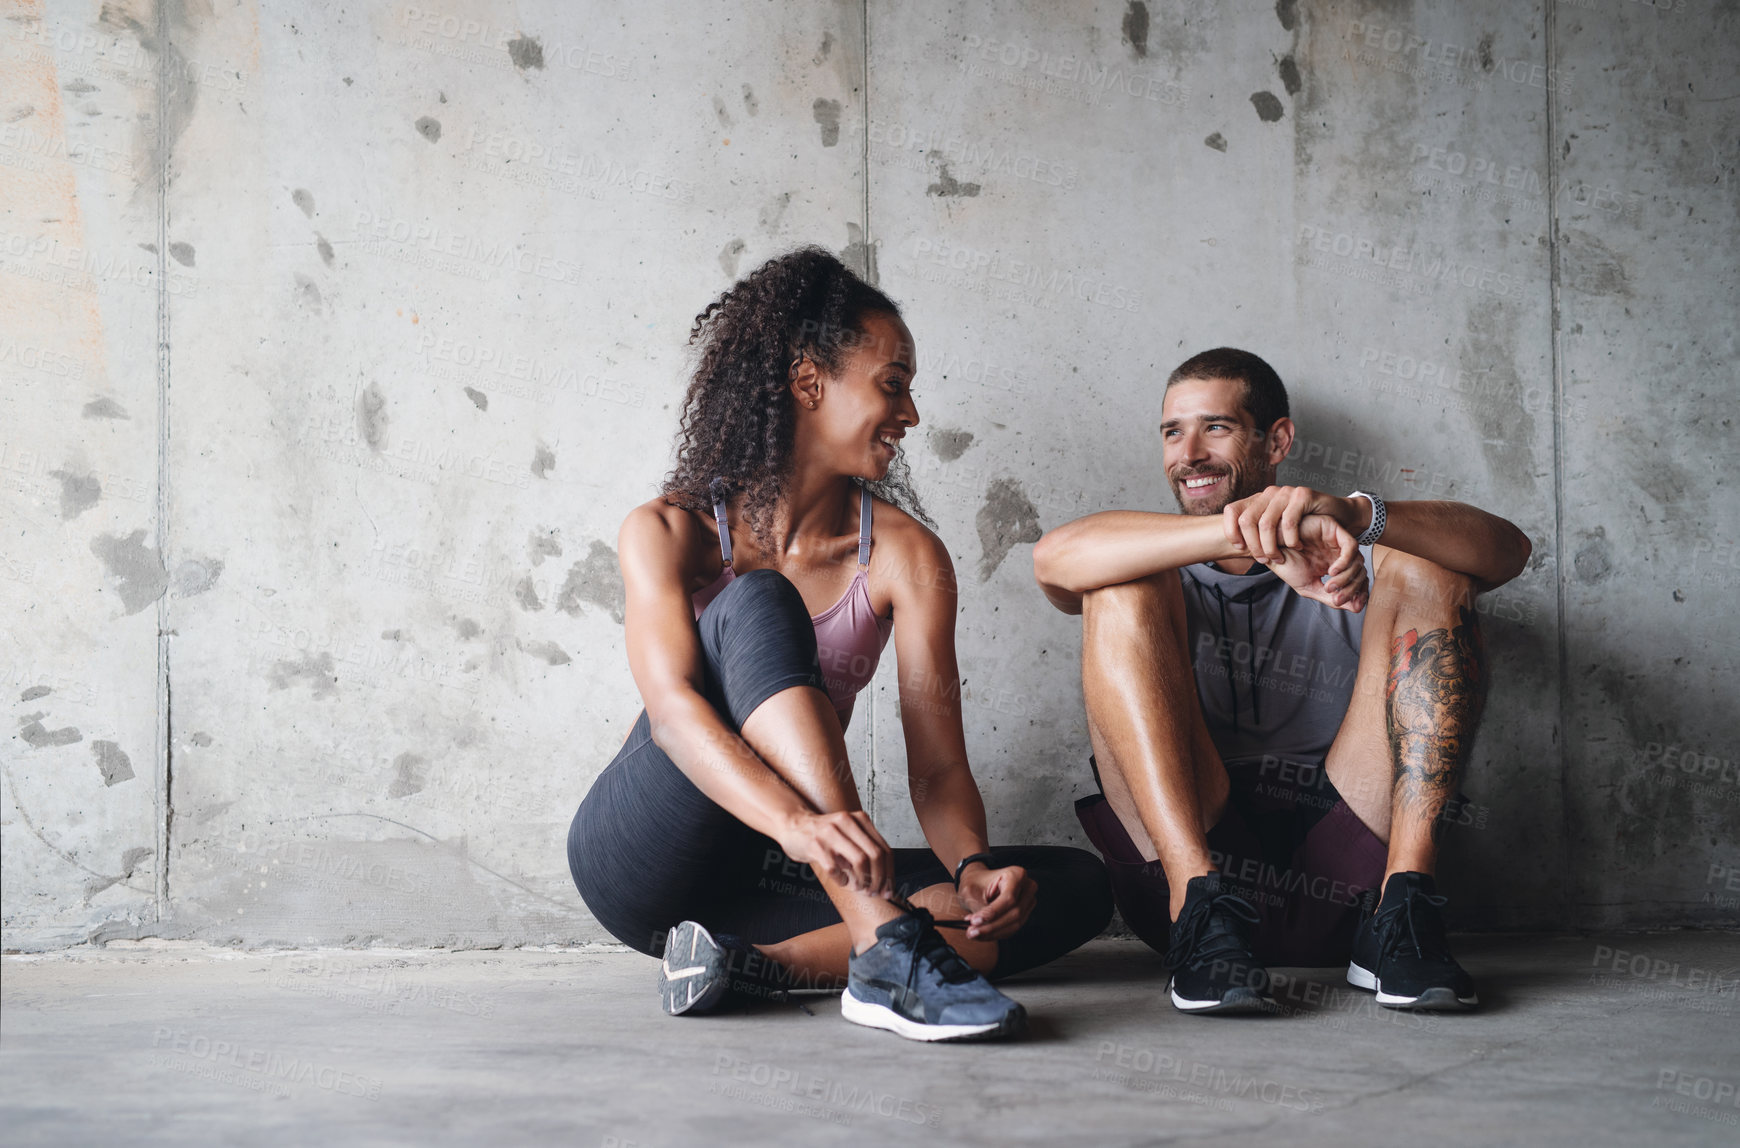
[658,525]
[908,541]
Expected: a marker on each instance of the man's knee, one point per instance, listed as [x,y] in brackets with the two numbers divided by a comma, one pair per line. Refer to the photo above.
[1160,591]
[1422,584]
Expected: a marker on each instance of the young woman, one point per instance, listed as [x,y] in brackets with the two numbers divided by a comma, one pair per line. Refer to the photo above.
[727,836]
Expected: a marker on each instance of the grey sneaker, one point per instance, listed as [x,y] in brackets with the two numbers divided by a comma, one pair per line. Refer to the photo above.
[701,972]
[912,983]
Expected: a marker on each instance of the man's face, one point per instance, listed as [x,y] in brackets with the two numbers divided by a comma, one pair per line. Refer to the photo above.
[1212,452]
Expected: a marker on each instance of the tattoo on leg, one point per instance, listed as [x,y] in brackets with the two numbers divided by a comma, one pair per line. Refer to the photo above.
[1436,690]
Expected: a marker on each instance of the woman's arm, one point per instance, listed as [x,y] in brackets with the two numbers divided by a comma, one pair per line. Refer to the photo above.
[656,547]
[944,795]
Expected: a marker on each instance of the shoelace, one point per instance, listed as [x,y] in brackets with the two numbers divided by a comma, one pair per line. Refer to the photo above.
[1390,928]
[1200,944]
[929,945]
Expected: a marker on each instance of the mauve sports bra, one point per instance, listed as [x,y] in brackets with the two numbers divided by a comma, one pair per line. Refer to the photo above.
[849,635]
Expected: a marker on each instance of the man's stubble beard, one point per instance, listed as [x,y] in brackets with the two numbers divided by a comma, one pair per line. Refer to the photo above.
[1245,478]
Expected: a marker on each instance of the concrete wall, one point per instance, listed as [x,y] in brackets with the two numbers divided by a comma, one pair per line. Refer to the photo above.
[336,342]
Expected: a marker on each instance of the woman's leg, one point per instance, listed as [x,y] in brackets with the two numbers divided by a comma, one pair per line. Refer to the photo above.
[760,649]
[824,949]
[648,849]
[1073,907]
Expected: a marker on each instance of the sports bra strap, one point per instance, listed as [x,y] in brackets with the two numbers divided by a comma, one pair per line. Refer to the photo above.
[724,531]
[864,527]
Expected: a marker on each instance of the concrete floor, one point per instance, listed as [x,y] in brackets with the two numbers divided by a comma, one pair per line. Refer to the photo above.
[1581,1041]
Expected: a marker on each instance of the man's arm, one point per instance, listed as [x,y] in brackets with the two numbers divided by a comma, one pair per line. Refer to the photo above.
[1454,535]
[1120,546]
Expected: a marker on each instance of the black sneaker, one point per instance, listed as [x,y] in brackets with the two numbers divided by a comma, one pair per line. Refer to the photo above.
[1400,953]
[1213,969]
[700,972]
[912,983]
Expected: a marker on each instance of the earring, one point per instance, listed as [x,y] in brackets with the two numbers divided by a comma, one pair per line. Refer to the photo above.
[812,405]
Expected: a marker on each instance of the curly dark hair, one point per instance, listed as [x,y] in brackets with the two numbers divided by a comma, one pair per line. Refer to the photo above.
[739,416]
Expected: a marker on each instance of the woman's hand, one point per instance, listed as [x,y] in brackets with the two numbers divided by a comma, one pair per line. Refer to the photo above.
[997,900]
[845,846]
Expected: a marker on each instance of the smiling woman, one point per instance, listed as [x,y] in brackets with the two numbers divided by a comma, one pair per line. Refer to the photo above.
[739,423]
[762,586]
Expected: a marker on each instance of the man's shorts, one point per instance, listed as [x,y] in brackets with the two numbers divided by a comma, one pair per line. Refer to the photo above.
[1288,843]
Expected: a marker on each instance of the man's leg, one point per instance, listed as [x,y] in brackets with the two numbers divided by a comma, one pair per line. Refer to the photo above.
[1158,766]
[1418,696]
[1397,759]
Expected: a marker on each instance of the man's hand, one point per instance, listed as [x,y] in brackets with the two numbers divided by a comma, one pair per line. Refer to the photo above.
[997,900]
[1326,565]
[1267,521]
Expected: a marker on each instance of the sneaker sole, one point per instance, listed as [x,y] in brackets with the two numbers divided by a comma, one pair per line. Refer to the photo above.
[692,974]
[1240,1000]
[881,1016]
[1441,999]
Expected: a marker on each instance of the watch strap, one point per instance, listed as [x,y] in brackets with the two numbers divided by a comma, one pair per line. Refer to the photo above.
[1379,518]
[968,860]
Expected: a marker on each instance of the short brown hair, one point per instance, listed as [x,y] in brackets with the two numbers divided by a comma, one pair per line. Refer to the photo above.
[1265,399]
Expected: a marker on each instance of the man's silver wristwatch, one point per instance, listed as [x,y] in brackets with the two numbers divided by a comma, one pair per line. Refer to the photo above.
[1378,518]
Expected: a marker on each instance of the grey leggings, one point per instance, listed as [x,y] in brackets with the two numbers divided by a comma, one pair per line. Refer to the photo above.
[647,849]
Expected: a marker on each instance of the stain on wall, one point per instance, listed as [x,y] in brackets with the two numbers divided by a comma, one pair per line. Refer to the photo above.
[543,461]
[596,581]
[729,255]
[314,670]
[135,570]
[948,185]
[526,52]
[1289,71]
[950,444]
[407,775]
[112,762]
[196,576]
[371,416]
[33,733]
[1268,106]
[1005,519]
[1135,28]
[104,407]
[78,492]
[548,652]
[827,115]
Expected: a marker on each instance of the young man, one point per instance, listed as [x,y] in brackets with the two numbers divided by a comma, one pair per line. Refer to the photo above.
[1266,719]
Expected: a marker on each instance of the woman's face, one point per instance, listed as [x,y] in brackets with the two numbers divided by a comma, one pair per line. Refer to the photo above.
[867,407]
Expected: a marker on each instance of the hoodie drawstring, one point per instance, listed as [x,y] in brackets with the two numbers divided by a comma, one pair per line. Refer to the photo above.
[1227,659]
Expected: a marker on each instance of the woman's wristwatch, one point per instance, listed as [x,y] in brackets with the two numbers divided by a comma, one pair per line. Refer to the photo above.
[968,860]
[1378,518]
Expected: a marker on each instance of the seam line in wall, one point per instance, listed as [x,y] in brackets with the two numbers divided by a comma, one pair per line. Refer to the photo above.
[165,750]
[1562,736]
